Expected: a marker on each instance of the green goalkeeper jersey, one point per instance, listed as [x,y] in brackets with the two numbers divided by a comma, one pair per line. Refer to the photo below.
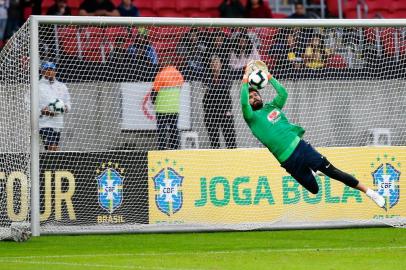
[270,125]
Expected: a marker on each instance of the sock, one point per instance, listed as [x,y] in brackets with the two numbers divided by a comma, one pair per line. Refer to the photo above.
[370,192]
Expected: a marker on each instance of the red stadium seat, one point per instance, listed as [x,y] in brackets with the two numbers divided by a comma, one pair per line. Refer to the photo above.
[75,11]
[183,5]
[91,42]
[116,3]
[268,60]
[68,40]
[398,9]
[159,33]
[73,3]
[336,61]
[350,9]
[27,11]
[209,4]
[332,7]
[388,40]
[114,32]
[200,14]
[387,37]
[145,12]
[279,15]
[170,13]
[160,5]
[144,4]
[47,4]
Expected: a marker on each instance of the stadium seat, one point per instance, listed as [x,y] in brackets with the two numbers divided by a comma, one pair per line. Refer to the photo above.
[210,4]
[91,42]
[161,5]
[376,8]
[144,4]
[398,8]
[116,2]
[146,12]
[336,61]
[74,3]
[27,11]
[170,13]
[114,32]
[157,33]
[269,61]
[185,5]
[279,15]
[266,36]
[47,4]
[388,40]
[68,40]
[332,7]
[75,11]
[200,14]
[350,9]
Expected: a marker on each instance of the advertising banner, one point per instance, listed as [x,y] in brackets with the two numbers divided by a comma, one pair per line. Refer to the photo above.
[248,186]
[138,112]
[79,188]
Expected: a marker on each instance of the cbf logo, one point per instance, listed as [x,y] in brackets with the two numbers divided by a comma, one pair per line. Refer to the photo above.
[168,187]
[110,186]
[274,116]
[386,179]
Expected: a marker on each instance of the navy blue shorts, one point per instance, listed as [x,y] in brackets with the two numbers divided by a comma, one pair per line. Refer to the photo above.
[302,162]
[49,137]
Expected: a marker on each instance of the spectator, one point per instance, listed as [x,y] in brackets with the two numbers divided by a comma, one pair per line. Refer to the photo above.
[51,121]
[14,20]
[165,95]
[59,8]
[220,46]
[231,9]
[315,54]
[4,5]
[127,9]
[300,12]
[288,51]
[243,51]
[98,8]
[257,9]
[192,47]
[117,60]
[142,54]
[217,105]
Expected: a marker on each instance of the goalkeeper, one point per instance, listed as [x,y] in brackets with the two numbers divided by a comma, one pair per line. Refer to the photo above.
[271,127]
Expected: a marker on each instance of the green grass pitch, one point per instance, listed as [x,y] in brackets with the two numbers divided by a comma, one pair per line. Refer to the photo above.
[373,248]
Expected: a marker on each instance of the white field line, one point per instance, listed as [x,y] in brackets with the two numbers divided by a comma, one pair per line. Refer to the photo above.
[203,252]
[81,265]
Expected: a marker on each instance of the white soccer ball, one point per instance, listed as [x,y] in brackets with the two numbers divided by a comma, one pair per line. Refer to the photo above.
[258,79]
[57,106]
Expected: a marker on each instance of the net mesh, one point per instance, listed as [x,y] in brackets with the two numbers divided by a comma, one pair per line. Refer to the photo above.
[345,89]
[15,130]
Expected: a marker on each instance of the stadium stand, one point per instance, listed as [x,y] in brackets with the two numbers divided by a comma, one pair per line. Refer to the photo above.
[68,40]
[369,8]
[94,44]
[91,44]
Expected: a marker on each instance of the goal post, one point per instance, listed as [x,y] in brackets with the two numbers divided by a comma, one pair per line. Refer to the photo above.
[153,137]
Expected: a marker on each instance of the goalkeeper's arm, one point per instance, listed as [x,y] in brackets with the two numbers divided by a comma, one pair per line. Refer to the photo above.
[282,95]
[244,99]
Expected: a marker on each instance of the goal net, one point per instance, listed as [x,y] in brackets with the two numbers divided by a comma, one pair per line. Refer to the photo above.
[148,133]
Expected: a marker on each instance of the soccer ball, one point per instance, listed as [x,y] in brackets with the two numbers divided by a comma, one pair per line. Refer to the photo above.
[258,79]
[57,106]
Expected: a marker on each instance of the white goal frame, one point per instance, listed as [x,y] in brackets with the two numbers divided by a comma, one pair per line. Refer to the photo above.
[35,21]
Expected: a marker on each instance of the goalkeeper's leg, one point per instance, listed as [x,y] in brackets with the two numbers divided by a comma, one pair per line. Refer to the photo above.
[328,169]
